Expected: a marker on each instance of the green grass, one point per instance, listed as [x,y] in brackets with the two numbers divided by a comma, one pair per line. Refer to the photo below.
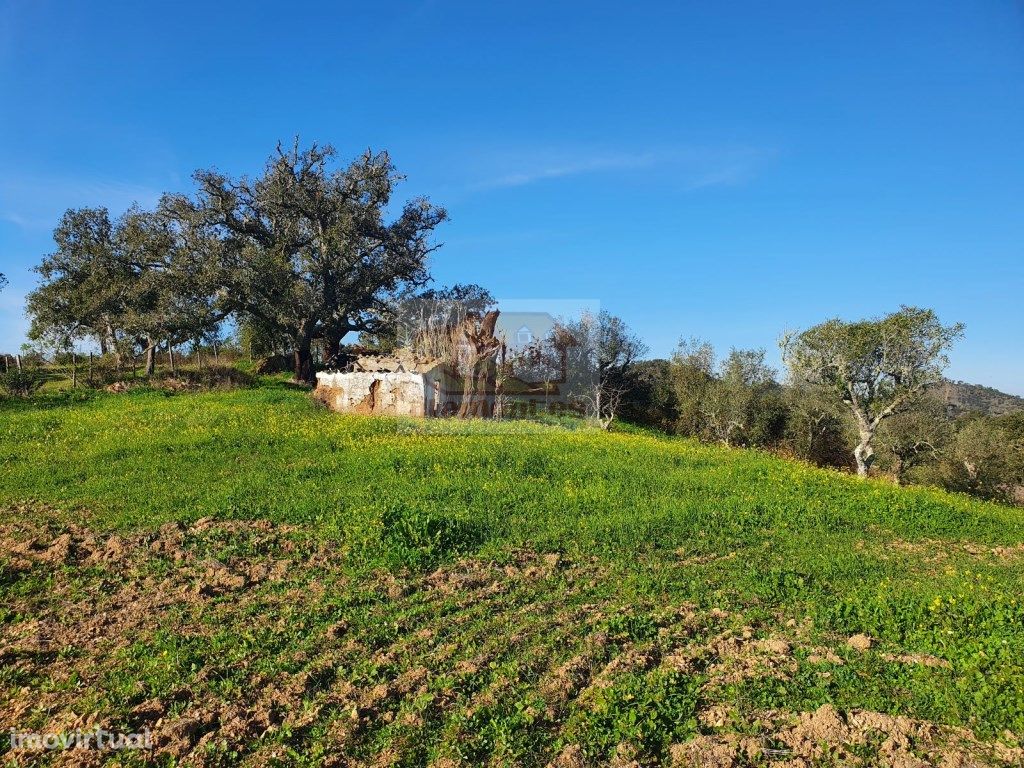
[668,522]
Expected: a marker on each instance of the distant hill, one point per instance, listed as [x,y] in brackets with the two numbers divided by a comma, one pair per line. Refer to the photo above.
[961,397]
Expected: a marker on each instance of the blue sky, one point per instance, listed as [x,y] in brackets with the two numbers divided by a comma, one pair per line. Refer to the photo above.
[723,170]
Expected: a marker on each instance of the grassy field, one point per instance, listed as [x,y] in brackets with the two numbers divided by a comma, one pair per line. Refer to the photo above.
[258,581]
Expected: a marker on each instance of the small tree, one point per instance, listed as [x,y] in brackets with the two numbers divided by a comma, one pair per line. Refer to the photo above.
[985,458]
[734,402]
[650,397]
[816,425]
[875,367]
[604,345]
[915,437]
[693,375]
[742,405]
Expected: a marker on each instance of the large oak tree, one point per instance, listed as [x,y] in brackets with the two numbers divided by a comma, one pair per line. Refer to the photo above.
[306,248]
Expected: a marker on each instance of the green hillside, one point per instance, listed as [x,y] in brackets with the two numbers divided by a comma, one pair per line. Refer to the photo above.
[259,581]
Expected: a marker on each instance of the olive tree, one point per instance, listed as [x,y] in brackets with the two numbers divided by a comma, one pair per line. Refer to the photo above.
[305,247]
[985,458]
[735,401]
[915,437]
[603,345]
[875,367]
[816,425]
[693,376]
[743,405]
[650,399]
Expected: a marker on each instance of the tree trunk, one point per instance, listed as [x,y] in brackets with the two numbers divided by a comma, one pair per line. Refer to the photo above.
[864,453]
[170,356]
[479,385]
[109,344]
[332,348]
[304,363]
[476,338]
[150,357]
[898,468]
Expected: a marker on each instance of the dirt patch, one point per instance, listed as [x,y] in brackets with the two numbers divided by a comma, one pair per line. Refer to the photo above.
[101,594]
[828,736]
[923,659]
[245,641]
[737,655]
[103,607]
[860,642]
[936,551]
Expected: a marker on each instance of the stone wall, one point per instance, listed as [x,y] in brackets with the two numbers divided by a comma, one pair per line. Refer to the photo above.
[377,392]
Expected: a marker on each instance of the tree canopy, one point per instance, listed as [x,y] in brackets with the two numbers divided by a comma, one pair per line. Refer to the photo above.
[122,282]
[875,367]
[306,247]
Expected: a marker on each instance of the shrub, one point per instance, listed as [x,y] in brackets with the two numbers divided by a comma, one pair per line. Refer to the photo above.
[207,378]
[22,383]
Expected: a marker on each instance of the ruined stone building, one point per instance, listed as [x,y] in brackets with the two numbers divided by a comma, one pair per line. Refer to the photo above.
[473,377]
[390,385]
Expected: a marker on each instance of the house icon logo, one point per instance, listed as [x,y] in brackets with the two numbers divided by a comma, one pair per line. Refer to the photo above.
[521,329]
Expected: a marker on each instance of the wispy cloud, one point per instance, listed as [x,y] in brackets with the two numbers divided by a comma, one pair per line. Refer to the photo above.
[571,167]
[37,202]
[694,168]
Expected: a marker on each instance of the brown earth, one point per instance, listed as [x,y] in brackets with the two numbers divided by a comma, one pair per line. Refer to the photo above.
[100,628]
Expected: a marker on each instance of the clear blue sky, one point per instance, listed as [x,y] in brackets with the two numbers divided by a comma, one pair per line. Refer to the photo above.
[726,170]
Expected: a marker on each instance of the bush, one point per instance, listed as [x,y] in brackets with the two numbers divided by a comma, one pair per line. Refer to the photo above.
[984,460]
[650,399]
[207,378]
[22,383]
[210,378]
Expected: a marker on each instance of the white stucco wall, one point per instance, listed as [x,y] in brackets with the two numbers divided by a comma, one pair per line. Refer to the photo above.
[400,394]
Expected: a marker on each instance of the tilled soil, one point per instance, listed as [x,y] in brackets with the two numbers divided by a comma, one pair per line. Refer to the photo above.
[252,643]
